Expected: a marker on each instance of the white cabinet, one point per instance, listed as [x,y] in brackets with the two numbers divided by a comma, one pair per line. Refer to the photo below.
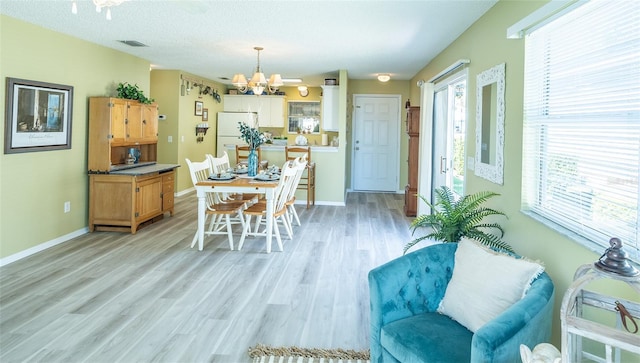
[330,97]
[232,103]
[270,109]
[277,112]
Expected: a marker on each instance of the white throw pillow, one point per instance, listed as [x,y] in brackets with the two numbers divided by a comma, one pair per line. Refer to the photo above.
[484,284]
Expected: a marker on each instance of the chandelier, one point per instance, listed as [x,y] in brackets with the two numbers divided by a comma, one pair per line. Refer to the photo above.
[258,82]
[99,5]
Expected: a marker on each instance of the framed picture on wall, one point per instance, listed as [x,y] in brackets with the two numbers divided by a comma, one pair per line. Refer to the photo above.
[199,108]
[205,114]
[37,117]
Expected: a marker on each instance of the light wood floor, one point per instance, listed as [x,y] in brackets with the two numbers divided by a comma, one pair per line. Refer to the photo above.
[107,297]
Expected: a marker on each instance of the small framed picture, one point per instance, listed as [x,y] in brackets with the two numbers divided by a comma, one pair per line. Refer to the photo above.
[205,114]
[199,108]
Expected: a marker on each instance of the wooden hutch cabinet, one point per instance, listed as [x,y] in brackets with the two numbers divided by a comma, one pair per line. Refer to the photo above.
[122,196]
[411,190]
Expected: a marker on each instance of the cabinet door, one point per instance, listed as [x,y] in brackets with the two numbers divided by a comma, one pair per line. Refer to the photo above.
[148,197]
[276,112]
[330,97]
[118,119]
[150,123]
[232,103]
[413,120]
[134,122]
[110,199]
[259,105]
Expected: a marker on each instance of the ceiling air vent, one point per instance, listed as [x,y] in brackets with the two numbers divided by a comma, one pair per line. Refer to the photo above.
[133,43]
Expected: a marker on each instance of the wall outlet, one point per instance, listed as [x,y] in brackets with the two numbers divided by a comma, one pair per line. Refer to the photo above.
[169,139]
[67,207]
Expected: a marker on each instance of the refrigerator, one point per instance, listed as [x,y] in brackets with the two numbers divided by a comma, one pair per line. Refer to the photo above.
[228,132]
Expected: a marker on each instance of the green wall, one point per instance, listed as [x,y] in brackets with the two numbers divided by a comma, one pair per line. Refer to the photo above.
[181,121]
[486,45]
[35,185]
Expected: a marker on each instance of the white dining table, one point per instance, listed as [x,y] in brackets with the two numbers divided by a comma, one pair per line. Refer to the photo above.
[241,184]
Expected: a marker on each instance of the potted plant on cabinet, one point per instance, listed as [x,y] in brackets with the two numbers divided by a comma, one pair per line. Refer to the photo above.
[453,219]
[132,92]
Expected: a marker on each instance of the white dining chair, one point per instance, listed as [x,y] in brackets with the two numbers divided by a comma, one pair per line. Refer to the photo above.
[216,207]
[221,164]
[300,164]
[259,210]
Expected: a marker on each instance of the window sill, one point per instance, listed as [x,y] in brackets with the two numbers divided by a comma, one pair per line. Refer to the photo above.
[584,242]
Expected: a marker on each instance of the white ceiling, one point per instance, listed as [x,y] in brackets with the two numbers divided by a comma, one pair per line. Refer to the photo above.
[307,39]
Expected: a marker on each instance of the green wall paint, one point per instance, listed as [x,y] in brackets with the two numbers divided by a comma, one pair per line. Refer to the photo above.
[34,186]
[486,45]
[181,121]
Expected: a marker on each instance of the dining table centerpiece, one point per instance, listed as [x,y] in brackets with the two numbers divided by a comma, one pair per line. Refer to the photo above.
[254,138]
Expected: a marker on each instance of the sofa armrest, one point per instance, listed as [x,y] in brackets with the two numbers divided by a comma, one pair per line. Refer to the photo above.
[526,322]
[409,285]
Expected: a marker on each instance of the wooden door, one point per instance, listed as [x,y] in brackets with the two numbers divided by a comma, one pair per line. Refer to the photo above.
[134,122]
[148,197]
[118,120]
[375,147]
[110,199]
[150,123]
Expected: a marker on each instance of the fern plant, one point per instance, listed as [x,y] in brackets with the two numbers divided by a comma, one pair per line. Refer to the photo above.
[453,219]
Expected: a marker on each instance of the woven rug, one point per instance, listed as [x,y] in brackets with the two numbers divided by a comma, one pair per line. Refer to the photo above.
[264,354]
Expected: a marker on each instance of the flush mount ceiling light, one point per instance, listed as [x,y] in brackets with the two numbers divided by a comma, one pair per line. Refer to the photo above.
[99,5]
[384,77]
[258,82]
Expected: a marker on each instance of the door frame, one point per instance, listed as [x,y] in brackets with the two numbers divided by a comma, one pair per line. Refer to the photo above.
[398,97]
[425,168]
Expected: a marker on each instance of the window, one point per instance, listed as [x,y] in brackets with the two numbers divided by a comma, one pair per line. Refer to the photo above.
[304,117]
[582,124]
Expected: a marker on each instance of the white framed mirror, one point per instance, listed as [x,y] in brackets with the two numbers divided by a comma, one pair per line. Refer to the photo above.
[489,161]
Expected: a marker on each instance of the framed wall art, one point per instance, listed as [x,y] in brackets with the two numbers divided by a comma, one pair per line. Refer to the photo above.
[205,114]
[37,117]
[199,108]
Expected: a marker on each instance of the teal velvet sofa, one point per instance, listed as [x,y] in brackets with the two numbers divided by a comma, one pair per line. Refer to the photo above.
[405,326]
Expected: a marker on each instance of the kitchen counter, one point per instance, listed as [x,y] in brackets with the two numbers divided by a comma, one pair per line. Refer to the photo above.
[146,169]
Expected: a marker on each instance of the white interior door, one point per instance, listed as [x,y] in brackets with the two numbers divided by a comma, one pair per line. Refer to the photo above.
[376,124]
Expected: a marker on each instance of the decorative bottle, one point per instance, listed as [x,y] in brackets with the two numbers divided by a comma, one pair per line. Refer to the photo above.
[253,163]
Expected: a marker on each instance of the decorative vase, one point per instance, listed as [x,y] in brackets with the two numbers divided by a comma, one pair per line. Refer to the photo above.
[253,163]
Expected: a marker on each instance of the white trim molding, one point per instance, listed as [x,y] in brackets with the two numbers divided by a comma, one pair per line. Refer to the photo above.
[43,246]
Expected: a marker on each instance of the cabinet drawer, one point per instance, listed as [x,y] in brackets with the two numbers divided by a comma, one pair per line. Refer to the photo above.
[167,188]
[168,177]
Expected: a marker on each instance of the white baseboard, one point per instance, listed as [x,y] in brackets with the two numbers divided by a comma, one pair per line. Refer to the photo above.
[401,191]
[185,192]
[319,202]
[43,246]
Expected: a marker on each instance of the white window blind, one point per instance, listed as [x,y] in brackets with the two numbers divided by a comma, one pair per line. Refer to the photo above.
[582,124]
